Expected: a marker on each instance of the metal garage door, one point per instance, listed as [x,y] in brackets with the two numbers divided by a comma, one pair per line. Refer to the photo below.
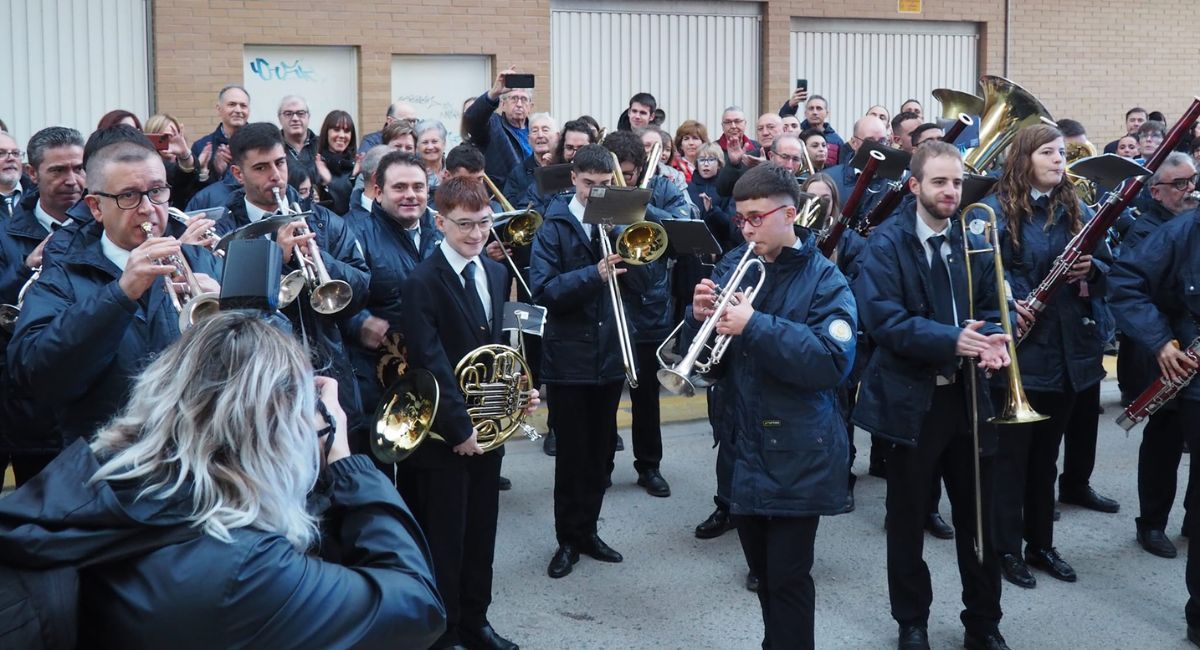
[696,58]
[857,63]
[72,61]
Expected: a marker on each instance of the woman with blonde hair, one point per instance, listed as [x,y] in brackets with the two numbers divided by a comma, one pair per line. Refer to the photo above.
[274,535]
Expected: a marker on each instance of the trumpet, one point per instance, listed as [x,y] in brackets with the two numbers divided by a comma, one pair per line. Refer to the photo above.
[326,295]
[190,302]
[689,373]
[494,380]
[210,235]
[9,313]
[1017,409]
[812,214]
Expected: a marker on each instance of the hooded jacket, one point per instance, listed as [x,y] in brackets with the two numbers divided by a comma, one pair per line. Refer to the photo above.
[373,587]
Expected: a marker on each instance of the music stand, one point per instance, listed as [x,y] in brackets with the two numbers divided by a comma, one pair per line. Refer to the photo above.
[1107,170]
[616,206]
[267,226]
[690,237]
[975,187]
[524,317]
[895,161]
[552,179]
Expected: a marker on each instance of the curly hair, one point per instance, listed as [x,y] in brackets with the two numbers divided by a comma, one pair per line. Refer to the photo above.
[1016,182]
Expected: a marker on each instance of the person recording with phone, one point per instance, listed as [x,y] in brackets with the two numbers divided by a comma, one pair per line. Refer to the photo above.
[502,136]
[229,510]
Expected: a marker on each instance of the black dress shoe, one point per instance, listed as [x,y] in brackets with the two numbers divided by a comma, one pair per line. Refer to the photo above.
[849,502]
[595,547]
[913,637]
[717,524]
[1016,572]
[989,641]
[938,526]
[485,638]
[655,484]
[1088,498]
[1048,560]
[751,582]
[563,561]
[1156,543]
[620,443]
[550,444]
[505,484]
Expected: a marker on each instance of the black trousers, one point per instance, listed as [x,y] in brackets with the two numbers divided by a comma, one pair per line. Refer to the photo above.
[1079,441]
[779,551]
[1158,466]
[456,503]
[1026,467]
[1189,411]
[647,424]
[586,426]
[945,445]
[25,465]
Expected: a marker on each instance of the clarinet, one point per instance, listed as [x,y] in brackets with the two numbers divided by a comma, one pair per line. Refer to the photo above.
[1161,391]
[1090,236]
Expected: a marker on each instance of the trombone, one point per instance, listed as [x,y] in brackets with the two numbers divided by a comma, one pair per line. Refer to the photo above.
[684,377]
[190,302]
[1016,409]
[326,295]
[517,228]
[9,313]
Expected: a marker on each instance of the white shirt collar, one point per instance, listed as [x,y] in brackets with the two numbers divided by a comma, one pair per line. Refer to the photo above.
[366,202]
[48,222]
[15,195]
[1035,194]
[577,209]
[458,262]
[255,213]
[924,232]
[799,244]
[114,253]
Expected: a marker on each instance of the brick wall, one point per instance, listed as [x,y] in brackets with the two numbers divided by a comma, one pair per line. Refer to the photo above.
[1084,59]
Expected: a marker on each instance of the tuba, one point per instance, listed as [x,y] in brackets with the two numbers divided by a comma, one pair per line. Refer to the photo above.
[1085,189]
[494,380]
[1008,108]
[957,102]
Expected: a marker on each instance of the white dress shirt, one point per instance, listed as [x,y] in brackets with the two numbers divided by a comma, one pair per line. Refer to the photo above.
[577,210]
[48,222]
[114,253]
[458,263]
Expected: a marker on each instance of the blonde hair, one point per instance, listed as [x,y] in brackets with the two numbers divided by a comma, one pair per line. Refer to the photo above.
[225,415]
[158,123]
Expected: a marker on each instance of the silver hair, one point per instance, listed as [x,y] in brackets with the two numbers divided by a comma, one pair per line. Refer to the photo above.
[221,93]
[544,117]
[733,108]
[123,152]
[51,137]
[225,418]
[288,99]
[370,161]
[1174,160]
[785,137]
[429,125]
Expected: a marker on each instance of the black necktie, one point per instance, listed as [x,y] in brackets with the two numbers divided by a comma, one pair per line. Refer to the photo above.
[474,300]
[943,297]
[596,248]
[415,236]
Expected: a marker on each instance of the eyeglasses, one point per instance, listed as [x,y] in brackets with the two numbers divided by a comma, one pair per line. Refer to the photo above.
[11,153]
[755,220]
[707,159]
[304,191]
[1182,184]
[133,199]
[573,148]
[732,122]
[786,157]
[517,99]
[288,115]
[466,227]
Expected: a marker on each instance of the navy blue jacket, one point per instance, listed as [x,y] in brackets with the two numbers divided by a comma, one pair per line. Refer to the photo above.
[357,213]
[1064,350]
[779,387]
[217,138]
[344,260]
[1139,366]
[265,593]
[215,195]
[80,341]
[1155,288]
[579,343]
[495,137]
[520,180]
[846,176]
[439,330]
[391,256]
[894,300]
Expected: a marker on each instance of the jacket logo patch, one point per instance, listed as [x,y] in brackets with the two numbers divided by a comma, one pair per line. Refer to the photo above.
[841,331]
[771,423]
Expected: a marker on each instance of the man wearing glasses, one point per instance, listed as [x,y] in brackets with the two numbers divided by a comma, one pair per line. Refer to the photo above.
[786,151]
[99,311]
[10,174]
[298,139]
[733,135]
[454,303]
[790,348]
[502,136]
[1171,187]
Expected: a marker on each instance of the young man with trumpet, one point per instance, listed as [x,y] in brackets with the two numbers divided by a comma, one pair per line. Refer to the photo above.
[453,304]
[914,301]
[790,345]
[260,164]
[100,312]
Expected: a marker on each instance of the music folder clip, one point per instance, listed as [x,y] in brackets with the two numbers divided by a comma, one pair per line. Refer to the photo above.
[267,226]
[687,237]
[616,206]
[895,161]
[529,319]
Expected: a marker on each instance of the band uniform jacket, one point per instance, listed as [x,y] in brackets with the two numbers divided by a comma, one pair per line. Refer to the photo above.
[80,341]
[778,386]
[896,307]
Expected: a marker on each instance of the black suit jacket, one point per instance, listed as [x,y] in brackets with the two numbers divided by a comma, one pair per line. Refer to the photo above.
[439,330]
